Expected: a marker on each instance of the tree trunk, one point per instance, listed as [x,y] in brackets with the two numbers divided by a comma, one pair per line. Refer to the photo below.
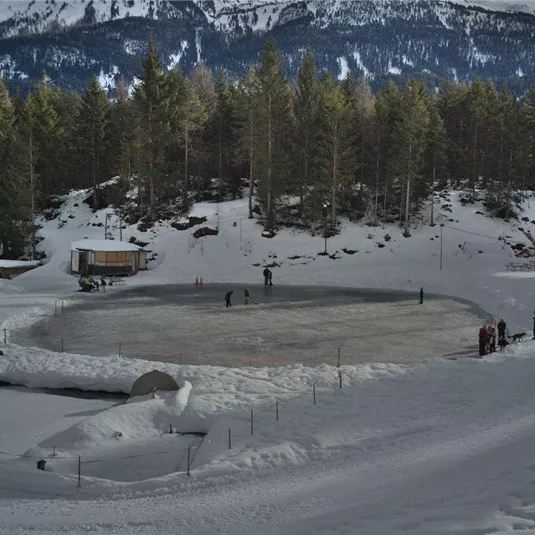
[269,208]
[251,156]
[408,193]
[433,194]
[32,193]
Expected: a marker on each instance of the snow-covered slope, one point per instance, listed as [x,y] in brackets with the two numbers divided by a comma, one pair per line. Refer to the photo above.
[432,448]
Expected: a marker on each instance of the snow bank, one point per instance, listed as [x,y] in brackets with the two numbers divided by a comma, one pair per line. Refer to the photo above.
[34,368]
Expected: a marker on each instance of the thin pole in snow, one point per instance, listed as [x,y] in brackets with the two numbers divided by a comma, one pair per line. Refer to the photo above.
[229,439]
[189,461]
[5,337]
[252,425]
[62,345]
[338,357]
[79,471]
[340,378]
[441,229]
[277,411]
[314,392]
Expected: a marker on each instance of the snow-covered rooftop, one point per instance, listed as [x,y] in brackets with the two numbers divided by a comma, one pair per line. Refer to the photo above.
[18,263]
[104,245]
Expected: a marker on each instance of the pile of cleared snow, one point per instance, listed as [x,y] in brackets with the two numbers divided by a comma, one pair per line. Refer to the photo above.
[34,367]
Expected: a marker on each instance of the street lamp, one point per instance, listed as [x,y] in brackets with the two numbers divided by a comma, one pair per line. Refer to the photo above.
[325,214]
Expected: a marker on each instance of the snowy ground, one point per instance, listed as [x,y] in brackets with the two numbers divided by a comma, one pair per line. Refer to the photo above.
[280,325]
[434,447]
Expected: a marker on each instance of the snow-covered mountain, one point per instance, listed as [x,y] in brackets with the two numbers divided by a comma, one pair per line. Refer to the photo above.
[72,40]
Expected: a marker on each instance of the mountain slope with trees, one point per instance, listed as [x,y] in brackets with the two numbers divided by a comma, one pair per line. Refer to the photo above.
[310,151]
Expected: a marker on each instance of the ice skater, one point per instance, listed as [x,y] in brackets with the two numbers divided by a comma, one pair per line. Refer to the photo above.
[246,296]
[421,296]
[228,297]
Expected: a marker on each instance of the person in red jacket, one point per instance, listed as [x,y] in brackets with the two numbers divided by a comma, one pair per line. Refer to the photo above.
[483,339]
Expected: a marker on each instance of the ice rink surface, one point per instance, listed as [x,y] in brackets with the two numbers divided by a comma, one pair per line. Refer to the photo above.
[280,325]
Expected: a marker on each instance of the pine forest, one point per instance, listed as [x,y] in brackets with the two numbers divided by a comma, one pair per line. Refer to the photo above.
[307,152]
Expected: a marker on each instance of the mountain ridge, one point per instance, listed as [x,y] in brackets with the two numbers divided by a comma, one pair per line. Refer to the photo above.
[459,39]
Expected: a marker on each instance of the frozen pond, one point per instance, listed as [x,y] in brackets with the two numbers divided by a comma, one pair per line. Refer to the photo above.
[281,325]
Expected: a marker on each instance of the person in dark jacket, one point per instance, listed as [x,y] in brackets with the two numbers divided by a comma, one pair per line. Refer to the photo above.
[228,296]
[483,339]
[266,276]
[502,326]
[246,296]
[421,296]
[270,277]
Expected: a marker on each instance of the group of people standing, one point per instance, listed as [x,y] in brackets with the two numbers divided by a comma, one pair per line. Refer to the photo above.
[487,337]
[268,281]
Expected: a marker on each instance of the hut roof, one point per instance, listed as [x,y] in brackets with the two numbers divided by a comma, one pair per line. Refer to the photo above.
[19,263]
[111,246]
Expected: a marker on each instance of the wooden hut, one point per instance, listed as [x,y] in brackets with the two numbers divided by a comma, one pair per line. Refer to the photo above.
[107,257]
[12,268]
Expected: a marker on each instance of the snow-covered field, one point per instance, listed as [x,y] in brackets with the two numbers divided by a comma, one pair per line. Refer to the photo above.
[435,447]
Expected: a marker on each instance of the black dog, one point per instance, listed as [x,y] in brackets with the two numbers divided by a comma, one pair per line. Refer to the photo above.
[519,337]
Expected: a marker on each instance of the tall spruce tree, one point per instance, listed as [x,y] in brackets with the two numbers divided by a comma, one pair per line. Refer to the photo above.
[94,121]
[435,153]
[274,109]
[305,148]
[151,115]
[336,160]
[410,137]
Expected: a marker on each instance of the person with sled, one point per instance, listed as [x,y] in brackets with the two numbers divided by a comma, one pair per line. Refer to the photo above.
[483,339]
[228,297]
[246,296]
[266,276]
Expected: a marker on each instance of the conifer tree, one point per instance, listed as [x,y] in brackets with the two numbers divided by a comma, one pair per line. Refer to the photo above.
[307,100]
[94,121]
[337,156]
[151,115]
[435,152]
[410,132]
[274,109]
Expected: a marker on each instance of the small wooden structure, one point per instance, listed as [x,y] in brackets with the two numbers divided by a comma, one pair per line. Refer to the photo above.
[107,257]
[12,268]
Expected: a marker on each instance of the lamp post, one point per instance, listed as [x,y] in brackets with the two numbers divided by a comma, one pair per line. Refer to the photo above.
[325,214]
[441,229]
